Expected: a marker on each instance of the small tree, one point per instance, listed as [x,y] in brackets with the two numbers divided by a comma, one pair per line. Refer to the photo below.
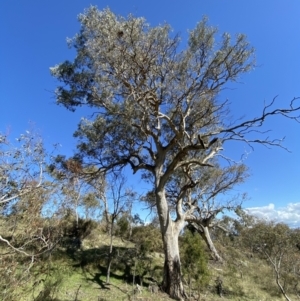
[205,200]
[117,199]
[157,107]
[276,243]
[76,196]
[26,230]
[147,240]
[194,262]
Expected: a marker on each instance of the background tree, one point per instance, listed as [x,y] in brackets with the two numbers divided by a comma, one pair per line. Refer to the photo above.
[276,243]
[208,198]
[117,199]
[77,195]
[21,168]
[27,229]
[91,206]
[156,107]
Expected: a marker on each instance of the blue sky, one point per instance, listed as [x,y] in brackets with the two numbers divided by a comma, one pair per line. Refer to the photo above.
[33,38]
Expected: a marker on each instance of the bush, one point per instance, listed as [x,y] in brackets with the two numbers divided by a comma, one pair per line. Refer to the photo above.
[194,261]
[147,239]
[75,232]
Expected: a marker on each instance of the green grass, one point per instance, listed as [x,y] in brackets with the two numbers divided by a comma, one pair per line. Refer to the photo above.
[80,275]
[87,285]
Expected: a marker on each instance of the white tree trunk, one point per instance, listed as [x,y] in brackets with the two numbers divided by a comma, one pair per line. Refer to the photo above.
[172,281]
[206,236]
[204,232]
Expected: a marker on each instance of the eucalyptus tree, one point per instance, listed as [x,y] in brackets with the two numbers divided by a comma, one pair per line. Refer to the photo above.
[278,244]
[210,198]
[27,231]
[25,189]
[117,200]
[76,193]
[155,107]
[21,167]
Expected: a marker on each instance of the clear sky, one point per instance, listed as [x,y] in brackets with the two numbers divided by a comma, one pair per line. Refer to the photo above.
[33,38]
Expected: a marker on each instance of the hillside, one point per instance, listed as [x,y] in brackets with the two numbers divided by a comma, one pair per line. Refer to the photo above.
[71,274]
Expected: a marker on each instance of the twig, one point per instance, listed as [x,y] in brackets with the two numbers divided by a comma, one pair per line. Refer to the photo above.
[77,292]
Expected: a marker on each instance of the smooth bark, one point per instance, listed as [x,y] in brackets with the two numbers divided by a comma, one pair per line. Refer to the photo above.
[203,230]
[110,253]
[206,237]
[172,278]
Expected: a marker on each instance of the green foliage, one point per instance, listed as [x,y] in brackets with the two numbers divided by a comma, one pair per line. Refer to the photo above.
[12,276]
[244,278]
[50,288]
[84,227]
[90,204]
[147,239]
[194,260]
[75,231]
[277,244]
[122,226]
[26,193]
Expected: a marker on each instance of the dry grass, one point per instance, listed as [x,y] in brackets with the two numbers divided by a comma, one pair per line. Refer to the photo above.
[81,275]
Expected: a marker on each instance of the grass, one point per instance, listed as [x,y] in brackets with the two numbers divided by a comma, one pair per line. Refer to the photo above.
[80,275]
[88,284]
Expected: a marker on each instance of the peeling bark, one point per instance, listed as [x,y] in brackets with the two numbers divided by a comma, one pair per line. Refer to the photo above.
[172,280]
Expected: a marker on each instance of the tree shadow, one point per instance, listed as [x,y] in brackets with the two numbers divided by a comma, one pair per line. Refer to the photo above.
[96,278]
[93,263]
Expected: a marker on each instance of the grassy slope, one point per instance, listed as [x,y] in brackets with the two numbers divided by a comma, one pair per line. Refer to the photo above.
[81,276]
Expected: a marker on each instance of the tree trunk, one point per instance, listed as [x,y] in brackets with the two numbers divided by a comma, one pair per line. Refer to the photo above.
[206,236]
[110,253]
[108,268]
[281,287]
[204,232]
[172,280]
